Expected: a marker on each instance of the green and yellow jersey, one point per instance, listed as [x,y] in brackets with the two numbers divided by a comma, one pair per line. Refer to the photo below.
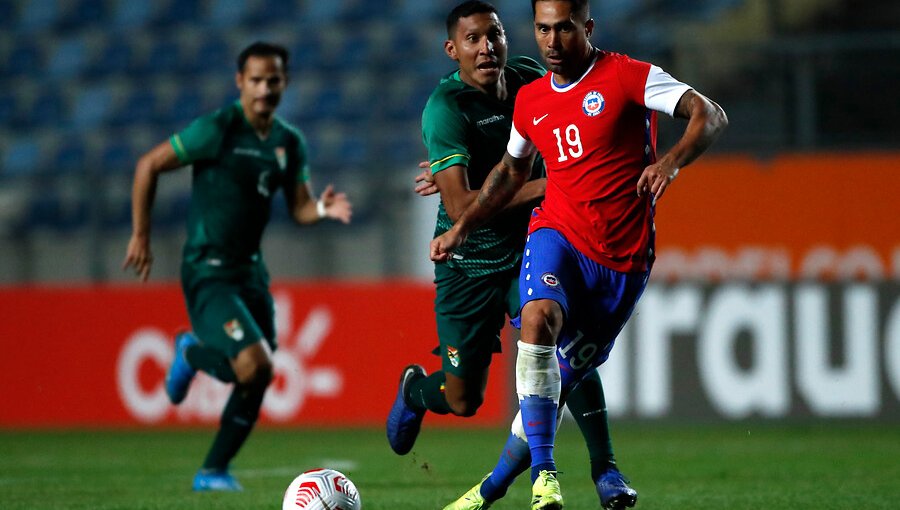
[235,175]
[463,126]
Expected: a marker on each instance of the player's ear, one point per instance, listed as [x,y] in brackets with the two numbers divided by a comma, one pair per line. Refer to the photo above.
[237,79]
[589,27]
[450,49]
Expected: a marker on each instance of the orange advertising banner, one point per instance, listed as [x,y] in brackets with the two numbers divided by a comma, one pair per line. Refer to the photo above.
[795,216]
[97,356]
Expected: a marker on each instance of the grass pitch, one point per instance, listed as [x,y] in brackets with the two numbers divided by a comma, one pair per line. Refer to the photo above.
[733,466]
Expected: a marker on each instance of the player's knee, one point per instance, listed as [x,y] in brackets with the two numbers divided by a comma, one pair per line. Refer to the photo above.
[465,405]
[542,318]
[257,373]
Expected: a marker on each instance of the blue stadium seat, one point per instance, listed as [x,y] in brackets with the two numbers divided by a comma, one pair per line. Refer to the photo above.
[184,107]
[38,15]
[22,156]
[178,12]
[9,108]
[71,156]
[26,58]
[214,55]
[132,13]
[227,13]
[9,14]
[164,57]
[80,14]
[117,156]
[68,60]
[50,108]
[139,107]
[273,11]
[92,107]
[117,57]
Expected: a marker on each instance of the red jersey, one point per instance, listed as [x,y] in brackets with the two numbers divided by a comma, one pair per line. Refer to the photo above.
[596,136]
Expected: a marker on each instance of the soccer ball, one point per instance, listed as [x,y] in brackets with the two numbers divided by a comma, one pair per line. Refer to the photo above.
[321,489]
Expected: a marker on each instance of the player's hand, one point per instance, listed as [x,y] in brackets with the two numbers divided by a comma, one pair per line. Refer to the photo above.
[337,206]
[656,178]
[425,184]
[138,256]
[443,245]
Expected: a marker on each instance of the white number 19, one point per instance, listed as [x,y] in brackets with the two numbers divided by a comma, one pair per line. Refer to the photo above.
[573,139]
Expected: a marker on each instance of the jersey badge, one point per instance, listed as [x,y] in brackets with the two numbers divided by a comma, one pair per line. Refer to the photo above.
[234,330]
[593,103]
[550,280]
[281,157]
[453,356]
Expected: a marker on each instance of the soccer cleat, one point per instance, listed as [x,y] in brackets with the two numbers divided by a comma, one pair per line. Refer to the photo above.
[210,480]
[615,494]
[404,422]
[180,374]
[471,500]
[545,493]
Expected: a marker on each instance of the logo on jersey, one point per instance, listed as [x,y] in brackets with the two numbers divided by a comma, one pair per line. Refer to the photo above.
[593,103]
[281,157]
[453,356]
[234,330]
[550,280]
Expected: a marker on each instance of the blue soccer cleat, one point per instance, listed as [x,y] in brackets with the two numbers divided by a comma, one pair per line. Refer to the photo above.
[615,494]
[212,480]
[404,423]
[180,374]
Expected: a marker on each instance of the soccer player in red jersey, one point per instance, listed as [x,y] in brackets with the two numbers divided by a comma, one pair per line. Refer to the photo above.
[591,242]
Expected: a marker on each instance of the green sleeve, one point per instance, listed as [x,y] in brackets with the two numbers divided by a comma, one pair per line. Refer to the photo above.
[302,167]
[201,139]
[444,134]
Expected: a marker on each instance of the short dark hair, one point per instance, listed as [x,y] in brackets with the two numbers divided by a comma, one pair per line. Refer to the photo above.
[581,7]
[464,10]
[263,49]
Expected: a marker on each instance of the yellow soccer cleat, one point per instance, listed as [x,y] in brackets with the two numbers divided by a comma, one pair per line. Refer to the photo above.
[545,493]
[471,500]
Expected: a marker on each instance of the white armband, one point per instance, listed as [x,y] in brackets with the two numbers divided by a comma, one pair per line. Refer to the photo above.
[320,208]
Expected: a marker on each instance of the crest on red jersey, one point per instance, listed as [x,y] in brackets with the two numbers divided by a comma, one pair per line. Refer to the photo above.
[593,103]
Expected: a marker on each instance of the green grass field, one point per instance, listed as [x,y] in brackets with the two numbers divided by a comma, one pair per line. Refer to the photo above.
[735,466]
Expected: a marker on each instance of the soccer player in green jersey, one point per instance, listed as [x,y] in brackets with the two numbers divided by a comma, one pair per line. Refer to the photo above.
[465,127]
[241,155]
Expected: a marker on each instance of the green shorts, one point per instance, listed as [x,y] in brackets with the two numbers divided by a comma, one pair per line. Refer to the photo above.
[230,309]
[470,314]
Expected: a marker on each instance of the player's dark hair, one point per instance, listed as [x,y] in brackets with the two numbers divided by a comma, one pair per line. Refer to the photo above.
[464,10]
[263,49]
[580,7]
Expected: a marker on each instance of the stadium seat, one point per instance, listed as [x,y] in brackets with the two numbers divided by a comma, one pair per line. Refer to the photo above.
[38,15]
[70,156]
[226,13]
[9,108]
[50,108]
[68,59]
[79,14]
[115,58]
[26,58]
[9,14]
[214,55]
[132,14]
[140,106]
[117,156]
[177,12]
[91,107]
[184,107]
[272,11]
[22,156]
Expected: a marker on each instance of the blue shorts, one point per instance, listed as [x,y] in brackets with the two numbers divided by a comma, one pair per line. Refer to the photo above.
[596,300]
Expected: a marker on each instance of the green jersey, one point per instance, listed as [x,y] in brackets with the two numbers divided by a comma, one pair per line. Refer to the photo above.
[235,175]
[463,126]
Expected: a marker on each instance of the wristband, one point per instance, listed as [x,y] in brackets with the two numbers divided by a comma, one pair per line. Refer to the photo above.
[320,209]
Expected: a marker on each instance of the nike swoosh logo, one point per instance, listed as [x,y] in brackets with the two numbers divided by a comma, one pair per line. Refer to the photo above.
[537,120]
[534,423]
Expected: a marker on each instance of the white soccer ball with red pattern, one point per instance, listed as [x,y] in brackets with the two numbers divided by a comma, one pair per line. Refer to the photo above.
[321,489]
